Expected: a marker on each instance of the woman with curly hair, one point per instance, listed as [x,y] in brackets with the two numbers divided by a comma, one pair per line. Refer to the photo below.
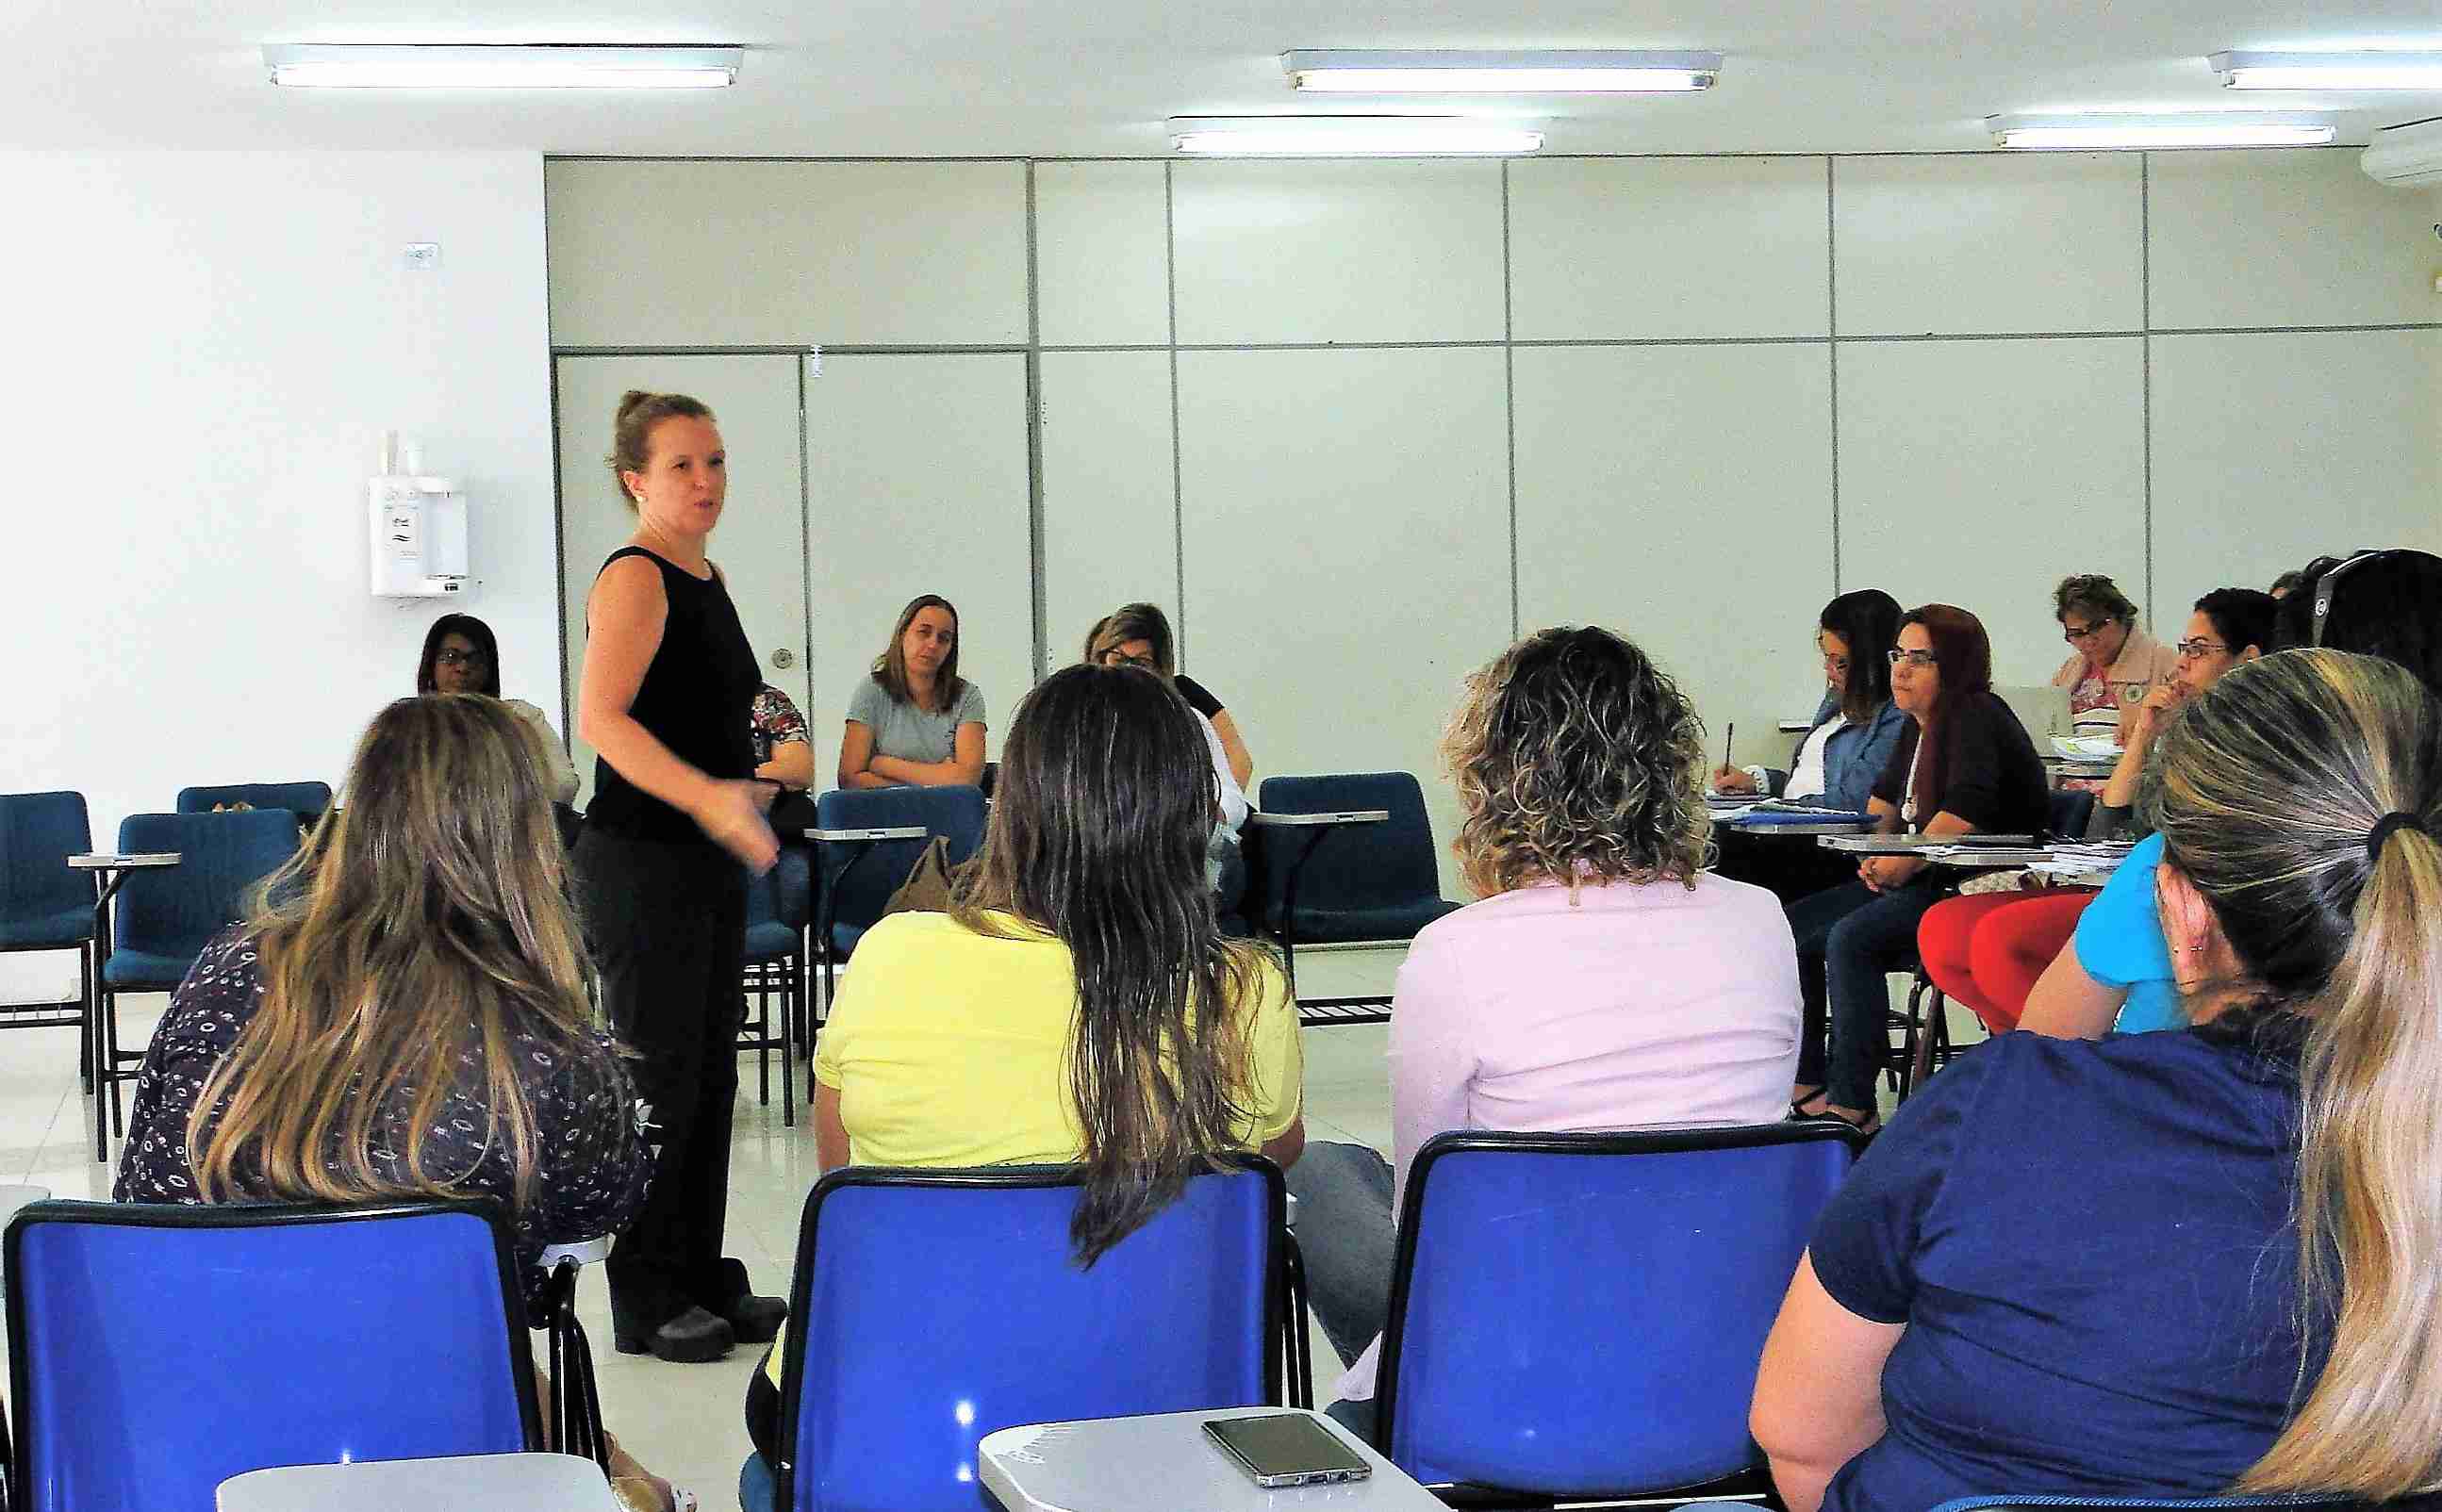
[1604,979]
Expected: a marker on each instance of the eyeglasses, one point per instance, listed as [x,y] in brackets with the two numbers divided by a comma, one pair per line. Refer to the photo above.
[1837,666]
[1912,658]
[2080,637]
[2198,650]
[1115,658]
[451,656]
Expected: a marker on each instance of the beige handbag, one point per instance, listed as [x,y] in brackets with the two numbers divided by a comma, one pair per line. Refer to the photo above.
[927,887]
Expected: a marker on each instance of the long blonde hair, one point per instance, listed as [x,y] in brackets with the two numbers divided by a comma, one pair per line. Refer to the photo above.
[422,927]
[2273,789]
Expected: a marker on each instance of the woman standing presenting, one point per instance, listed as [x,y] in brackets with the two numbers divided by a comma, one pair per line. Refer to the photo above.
[668,690]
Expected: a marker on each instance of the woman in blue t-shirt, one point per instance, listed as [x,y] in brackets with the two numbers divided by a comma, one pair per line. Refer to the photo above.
[2185,1263]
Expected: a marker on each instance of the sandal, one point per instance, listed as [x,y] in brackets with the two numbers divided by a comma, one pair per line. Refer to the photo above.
[1797,1104]
[1868,1126]
[651,1493]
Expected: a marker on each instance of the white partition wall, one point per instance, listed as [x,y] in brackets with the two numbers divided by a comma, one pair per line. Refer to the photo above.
[1347,549]
[1692,398]
[759,544]
[1680,496]
[916,482]
[1980,473]
[1111,517]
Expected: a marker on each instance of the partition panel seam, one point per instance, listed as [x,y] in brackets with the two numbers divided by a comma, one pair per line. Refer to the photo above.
[2145,376]
[805,532]
[1178,465]
[1035,523]
[1509,396]
[1832,343]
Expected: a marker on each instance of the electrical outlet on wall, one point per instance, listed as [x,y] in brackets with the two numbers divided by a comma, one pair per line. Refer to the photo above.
[422,257]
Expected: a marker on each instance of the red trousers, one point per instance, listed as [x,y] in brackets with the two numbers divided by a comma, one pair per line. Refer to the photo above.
[1987,948]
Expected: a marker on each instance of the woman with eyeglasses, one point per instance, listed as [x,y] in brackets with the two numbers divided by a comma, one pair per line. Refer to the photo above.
[1963,765]
[1138,634]
[2116,974]
[2112,664]
[462,656]
[1987,952]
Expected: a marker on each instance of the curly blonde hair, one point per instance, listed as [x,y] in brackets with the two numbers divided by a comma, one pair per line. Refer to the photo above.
[1577,759]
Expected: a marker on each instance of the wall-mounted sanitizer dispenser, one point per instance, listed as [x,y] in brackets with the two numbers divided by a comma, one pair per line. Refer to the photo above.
[419,531]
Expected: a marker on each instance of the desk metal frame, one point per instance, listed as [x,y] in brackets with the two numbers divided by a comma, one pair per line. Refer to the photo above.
[1317,1012]
[105,1062]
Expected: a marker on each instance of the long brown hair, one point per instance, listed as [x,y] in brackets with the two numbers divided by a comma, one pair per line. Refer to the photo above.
[1097,836]
[421,928]
[2272,790]
[1577,759]
[1135,621]
[1964,654]
[890,667]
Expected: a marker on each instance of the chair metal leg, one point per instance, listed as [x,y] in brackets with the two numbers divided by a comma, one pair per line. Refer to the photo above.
[1297,1354]
[85,978]
[105,1005]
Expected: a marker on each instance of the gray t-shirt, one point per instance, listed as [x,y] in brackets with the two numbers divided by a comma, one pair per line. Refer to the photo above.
[906,733]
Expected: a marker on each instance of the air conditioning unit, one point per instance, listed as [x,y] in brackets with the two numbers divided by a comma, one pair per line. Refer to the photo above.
[2407,156]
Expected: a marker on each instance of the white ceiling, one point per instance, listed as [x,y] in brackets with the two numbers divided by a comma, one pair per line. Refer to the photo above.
[1048,78]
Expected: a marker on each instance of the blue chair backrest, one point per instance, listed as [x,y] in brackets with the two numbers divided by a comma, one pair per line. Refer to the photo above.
[933,1307]
[306,800]
[956,812]
[1364,866]
[38,832]
[1582,1314]
[2153,1503]
[784,895]
[2066,814]
[159,1350]
[175,911]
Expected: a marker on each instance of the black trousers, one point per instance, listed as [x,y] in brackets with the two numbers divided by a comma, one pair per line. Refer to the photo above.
[667,928]
[1789,866]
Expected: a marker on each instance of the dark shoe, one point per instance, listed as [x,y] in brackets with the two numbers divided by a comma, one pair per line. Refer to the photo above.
[691,1337]
[753,1320]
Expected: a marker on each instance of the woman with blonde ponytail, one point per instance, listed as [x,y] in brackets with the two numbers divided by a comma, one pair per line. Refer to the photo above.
[2182,1263]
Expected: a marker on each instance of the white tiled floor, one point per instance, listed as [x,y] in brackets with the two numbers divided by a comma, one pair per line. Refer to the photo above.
[685,1421]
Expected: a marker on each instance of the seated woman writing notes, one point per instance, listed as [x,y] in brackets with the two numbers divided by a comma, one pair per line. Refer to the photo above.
[1835,763]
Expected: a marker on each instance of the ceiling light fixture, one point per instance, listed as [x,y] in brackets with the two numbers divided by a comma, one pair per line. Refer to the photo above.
[2328,70]
[1500,73]
[313,66]
[2097,133]
[1348,136]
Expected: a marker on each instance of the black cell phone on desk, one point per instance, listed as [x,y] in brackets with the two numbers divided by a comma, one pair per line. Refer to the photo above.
[1287,1449]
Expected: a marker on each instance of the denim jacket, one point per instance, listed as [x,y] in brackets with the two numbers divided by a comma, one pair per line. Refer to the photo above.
[1853,757]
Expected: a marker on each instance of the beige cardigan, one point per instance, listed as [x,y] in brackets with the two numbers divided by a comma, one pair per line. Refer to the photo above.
[2143,663]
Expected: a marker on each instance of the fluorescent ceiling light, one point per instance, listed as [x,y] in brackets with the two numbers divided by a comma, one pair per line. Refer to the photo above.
[1348,136]
[1500,73]
[2091,133]
[571,66]
[2329,70]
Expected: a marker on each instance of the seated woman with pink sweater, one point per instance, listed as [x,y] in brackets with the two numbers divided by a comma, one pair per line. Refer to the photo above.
[1604,980]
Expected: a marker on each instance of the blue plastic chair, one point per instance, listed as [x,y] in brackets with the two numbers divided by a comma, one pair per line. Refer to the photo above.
[1580,1315]
[2149,1504]
[163,919]
[1361,882]
[853,880]
[45,906]
[779,904]
[159,1350]
[306,800]
[932,1307]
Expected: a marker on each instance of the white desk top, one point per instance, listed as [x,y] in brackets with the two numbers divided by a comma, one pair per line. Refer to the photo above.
[473,1483]
[1309,821]
[135,861]
[1164,1461]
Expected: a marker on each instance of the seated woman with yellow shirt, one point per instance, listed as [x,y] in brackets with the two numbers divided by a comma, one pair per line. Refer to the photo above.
[1052,1015]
